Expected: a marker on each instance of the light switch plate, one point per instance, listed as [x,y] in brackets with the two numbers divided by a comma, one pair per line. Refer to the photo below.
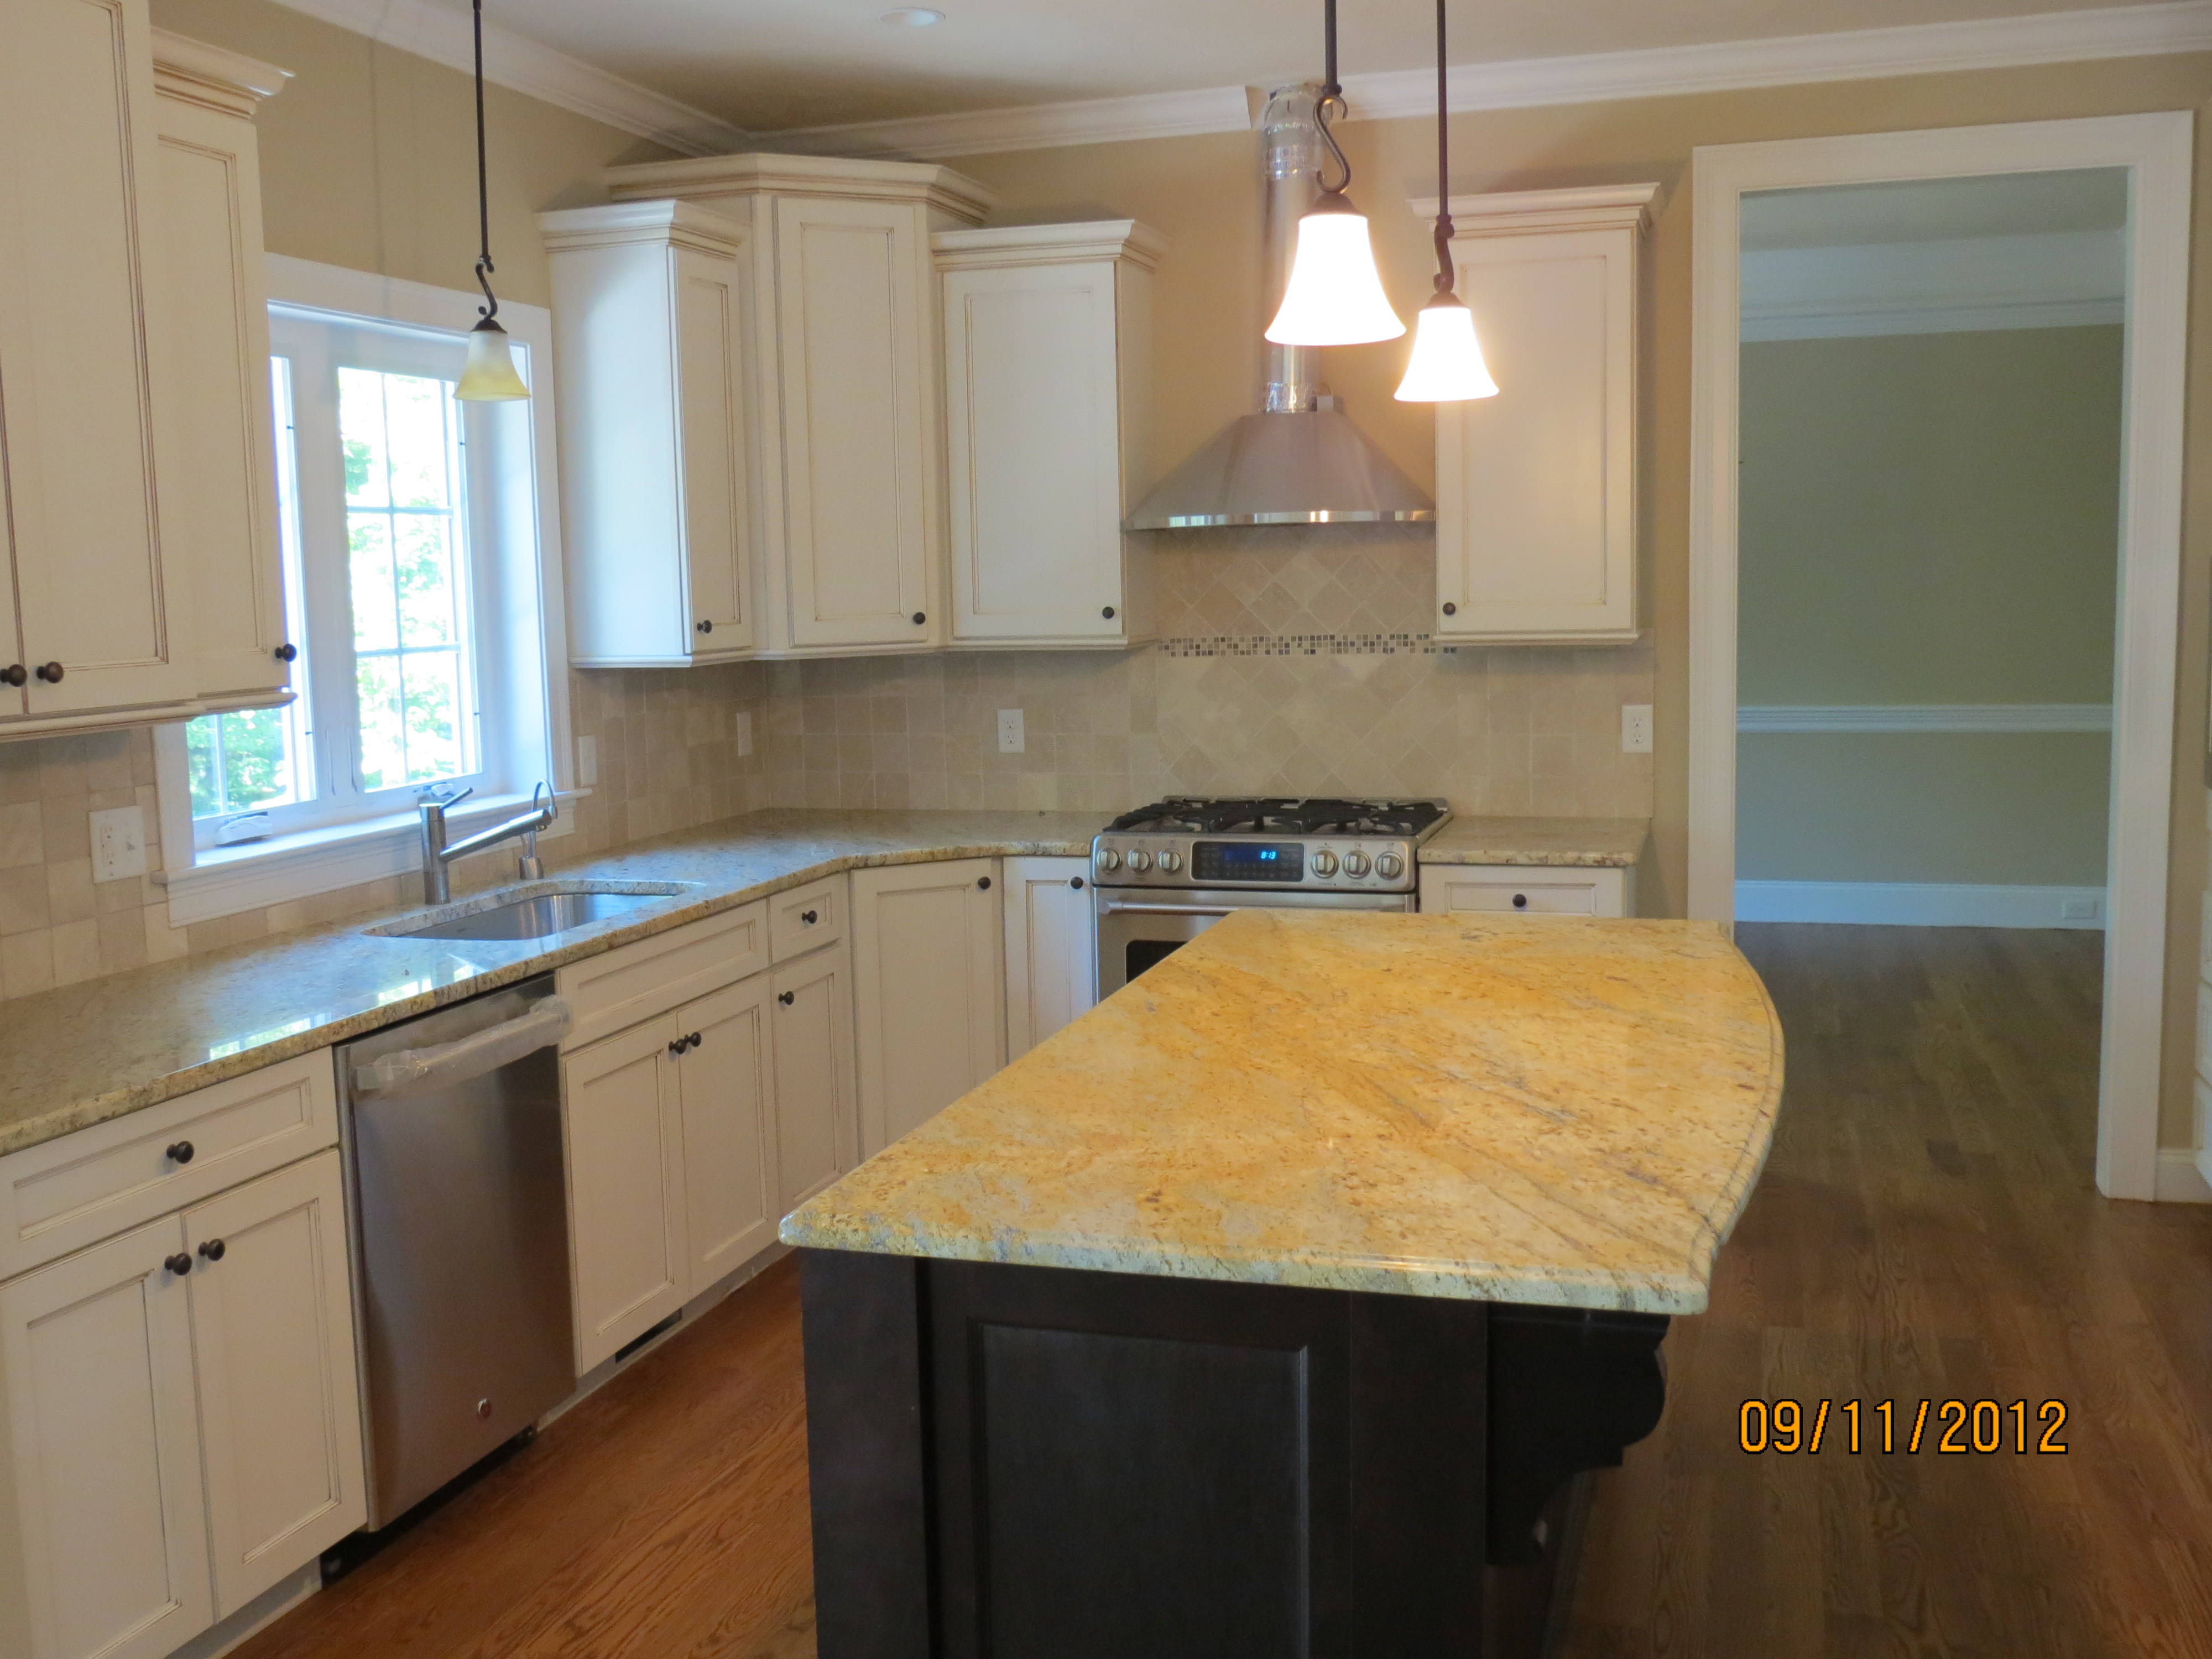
[1636,728]
[1011,741]
[744,726]
[119,843]
[587,761]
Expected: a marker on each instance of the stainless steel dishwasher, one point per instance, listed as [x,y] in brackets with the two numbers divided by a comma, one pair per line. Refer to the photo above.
[459,1217]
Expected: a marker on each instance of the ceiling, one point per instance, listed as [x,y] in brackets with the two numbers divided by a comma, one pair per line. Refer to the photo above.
[770,65]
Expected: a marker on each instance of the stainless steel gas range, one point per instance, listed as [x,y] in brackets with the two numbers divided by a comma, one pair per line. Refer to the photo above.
[1164,873]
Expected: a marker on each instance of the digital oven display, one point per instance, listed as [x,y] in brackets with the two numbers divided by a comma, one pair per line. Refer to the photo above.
[1247,860]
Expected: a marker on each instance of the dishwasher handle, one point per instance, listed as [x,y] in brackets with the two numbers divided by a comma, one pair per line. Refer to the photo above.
[411,1070]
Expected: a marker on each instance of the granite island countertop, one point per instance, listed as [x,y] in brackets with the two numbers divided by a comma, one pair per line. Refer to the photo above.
[85,1054]
[1561,1112]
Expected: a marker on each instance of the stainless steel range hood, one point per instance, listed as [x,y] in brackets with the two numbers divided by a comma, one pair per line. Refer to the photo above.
[1300,460]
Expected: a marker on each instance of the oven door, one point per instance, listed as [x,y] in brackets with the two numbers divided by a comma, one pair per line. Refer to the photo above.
[1139,927]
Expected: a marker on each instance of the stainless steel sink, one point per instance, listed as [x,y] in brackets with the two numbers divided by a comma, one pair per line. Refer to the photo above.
[534,912]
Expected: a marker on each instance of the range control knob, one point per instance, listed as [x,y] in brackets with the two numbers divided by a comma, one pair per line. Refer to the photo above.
[1322,863]
[1141,861]
[1109,859]
[1390,866]
[1355,864]
[1170,862]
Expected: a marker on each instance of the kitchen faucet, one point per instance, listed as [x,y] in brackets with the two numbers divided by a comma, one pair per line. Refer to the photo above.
[437,886]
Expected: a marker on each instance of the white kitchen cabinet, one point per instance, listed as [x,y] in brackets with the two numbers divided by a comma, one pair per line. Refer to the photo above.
[1536,519]
[91,623]
[273,1347]
[726,1082]
[839,334]
[103,1540]
[650,306]
[211,390]
[1052,953]
[1048,356]
[817,1127]
[628,1235]
[928,990]
[1526,889]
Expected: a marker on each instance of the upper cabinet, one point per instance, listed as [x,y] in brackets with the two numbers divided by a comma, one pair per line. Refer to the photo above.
[649,307]
[1536,488]
[831,514]
[1047,352]
[140,575]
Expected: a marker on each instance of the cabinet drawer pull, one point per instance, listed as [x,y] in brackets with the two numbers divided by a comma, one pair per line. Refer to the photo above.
[983,882]
[919,618]
[808,917]
[706,625]
[14,674]
[1520,901]
[680,1045]
[182,1152]
[787,997]
[286,652]
[1076,882]
[696,1041]
[1108,613]
[213,1249]
[180,1264]
[51,672]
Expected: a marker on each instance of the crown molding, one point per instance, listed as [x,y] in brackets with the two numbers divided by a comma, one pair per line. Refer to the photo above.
[442,34]
[1519,212]
[624,224]
[2065,279]
[1593,78]
[227,81]
[719,178]
[1028,245]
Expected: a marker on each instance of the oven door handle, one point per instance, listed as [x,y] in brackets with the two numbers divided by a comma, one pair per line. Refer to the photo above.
[1118,909]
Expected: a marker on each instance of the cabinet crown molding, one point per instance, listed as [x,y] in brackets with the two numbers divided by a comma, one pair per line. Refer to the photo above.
[710,176]
[225,81]
[620,224]
[1058,244]
[1515,212]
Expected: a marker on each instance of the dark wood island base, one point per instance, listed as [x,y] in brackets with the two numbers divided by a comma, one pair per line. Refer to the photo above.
[1017,1462]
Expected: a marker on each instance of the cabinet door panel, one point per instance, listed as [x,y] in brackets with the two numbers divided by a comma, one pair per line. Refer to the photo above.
[626,1223]
[1052,959]
[816,1134]
[76,272]
[928,990]
[728,1182]
[857,396]
[280,1408]
[103,1454]
[709,303]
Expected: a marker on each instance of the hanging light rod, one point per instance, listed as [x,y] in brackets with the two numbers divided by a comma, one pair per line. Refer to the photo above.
[488,375]
[1334,296]
[1446,365]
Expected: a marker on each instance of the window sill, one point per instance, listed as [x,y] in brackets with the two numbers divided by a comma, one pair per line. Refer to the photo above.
[224,881]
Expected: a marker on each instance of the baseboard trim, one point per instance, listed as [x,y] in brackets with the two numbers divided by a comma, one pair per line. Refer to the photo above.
[1920,904]
[2182,1176]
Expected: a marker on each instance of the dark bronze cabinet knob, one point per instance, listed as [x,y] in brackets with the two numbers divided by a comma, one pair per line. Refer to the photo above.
[181,1153]
[983,882]
[1450,610]
[787,997]
[678,1047]
[1108,613]
[919,618]
[51,672]
[808,917]
[1076,882]
[696,1041]
[286,652]
[213,1249]
[1520,901]
[706,625]
[14,674]
[180,1264]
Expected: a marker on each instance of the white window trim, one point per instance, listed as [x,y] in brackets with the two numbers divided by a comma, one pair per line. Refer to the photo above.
[204,884]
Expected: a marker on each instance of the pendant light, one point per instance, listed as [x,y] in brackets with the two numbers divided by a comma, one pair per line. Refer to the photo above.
[1447,366]
[488,376]
[1334,296]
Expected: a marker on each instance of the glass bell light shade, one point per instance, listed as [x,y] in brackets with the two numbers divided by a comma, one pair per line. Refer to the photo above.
[488,376]
[1334,296]
[1446,365]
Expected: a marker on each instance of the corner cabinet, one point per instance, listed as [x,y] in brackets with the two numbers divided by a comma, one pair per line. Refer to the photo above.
[649,306]
[828,356]
[1051,950]
[1536,519]
[1047,353]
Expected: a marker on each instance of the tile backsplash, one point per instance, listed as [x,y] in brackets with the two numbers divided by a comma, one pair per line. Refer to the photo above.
[1294,661]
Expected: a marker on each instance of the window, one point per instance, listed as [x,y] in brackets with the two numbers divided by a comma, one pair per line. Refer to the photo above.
[422,573]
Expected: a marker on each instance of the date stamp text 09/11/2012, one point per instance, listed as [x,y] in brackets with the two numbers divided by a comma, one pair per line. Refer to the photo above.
[1959,1427]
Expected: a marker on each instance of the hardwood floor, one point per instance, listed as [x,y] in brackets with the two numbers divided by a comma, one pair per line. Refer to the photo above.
[1927,1228]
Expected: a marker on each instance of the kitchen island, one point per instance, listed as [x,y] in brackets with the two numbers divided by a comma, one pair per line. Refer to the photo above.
[1264,1308]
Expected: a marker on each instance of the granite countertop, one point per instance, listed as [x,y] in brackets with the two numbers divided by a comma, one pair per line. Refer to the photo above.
[1561,843]
[85,1054]
[1566,1113]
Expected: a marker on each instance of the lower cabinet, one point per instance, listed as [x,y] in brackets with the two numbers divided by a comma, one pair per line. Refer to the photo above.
[816,1130]
[1052,953]
[182,1424]
[928,990]
[1526,889]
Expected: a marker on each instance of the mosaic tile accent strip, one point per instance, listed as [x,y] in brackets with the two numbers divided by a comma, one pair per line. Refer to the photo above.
[1307,645]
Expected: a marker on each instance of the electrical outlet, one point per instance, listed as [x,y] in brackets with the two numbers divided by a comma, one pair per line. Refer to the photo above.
[587,761]
[1011,741]
[1636,728]
[745,731]
[119,843]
